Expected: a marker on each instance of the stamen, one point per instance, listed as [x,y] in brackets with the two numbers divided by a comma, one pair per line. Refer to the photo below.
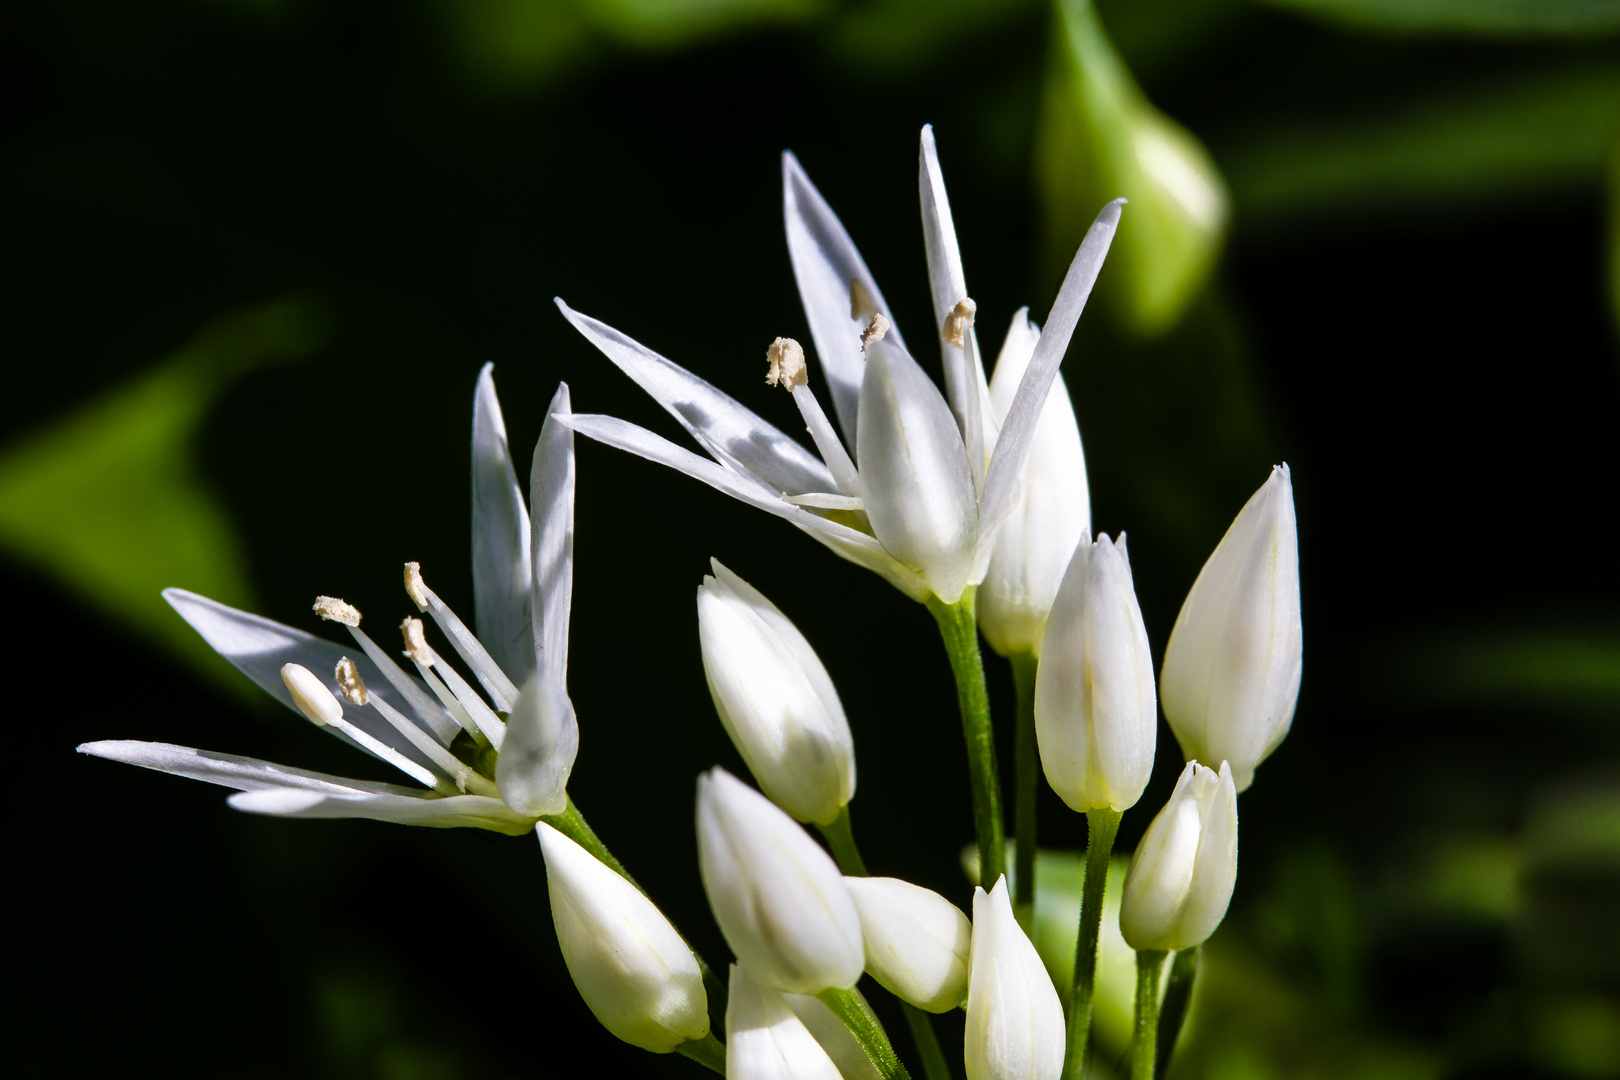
[788,369]
[414,585]
[874,331]
[315,701]
[958,322]
[860,301]
[413,694]
[465,779]
[501,689]
[350,685]
[826,440]
[482,716]
[332,609]
[450,703]
[416,646]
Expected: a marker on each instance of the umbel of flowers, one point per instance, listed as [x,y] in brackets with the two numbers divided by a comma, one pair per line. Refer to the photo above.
[973,501]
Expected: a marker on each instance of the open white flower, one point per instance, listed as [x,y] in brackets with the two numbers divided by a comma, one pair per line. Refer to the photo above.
[922,497]
[436,728]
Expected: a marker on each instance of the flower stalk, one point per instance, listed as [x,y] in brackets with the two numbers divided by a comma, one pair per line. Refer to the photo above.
[1103,826]
[959,627]
[1173,1010]
[857,1016]
[841,840]
[708,1051]
[1145,1043]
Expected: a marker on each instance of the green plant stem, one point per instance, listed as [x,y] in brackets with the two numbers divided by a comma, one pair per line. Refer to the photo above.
[1145,1043]
[706,1051]
[857,1016]
[572,824]
[1173,1011]
[1103,826]
[841,839]
[958,625]
[1026,787]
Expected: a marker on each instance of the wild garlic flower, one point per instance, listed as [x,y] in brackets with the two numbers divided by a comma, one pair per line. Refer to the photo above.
[496,760]
[1181,878]
[931,478]
[1014,1016]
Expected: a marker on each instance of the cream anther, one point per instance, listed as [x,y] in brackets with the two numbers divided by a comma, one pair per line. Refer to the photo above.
[416,646]
[959,322]
[311,696]
[414,585]
[350,685]
[788,368]
[874,331]
[332,609]
[860,301]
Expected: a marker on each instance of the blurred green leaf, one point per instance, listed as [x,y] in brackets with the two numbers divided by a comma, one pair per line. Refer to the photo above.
[1495,17]
[1568,669]
[896,38]
[1567,933]
[107,500]
[1100,138]
[1578,1035]
[1614,230]
[1506,138]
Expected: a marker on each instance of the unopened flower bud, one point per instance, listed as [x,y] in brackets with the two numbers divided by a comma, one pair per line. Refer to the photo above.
[775,699]
[839,1043]
[311,695]
[781,904]
[1014,1018]
[633,970]
[765,1040]
[1095,715]
[1181,879]
[917,942]
[1232,668]
[537,755]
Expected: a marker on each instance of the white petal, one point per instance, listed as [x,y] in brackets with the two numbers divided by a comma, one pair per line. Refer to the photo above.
[732,433]
[454,812]
[538,751]
[838,1041]
[965,389]
[1014,1017]
[500,540]
[258,647]
[551,498]
[824,263]
[765,1040]
[918,944]
[233,770]
[1012,445]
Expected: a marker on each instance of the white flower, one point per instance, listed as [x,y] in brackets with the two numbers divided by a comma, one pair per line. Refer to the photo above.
[435,728]
[775,698]
[1095,715]
[1014,1018]
[1050,514]
[1181,878]
[1232,668]
[781,904]
[917,942]
[765,1040]
[631,967]
[924,506]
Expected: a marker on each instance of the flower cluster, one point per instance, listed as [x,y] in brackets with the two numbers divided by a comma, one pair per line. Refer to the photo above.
[973,501]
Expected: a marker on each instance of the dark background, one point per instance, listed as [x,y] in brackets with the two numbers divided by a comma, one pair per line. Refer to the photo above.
[1429,862]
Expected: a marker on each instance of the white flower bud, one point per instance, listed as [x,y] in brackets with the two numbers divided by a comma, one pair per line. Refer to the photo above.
[1232,668]
[781,904]
[633,970]
[838,1041]
[914,470]
[1095,715]
[537,754]
[917,942]
[1182,876]
[765,1040]
[775,699]
[1052,511]
[1014,1018]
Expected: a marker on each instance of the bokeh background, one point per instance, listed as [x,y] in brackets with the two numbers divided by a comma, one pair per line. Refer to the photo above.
[260,249]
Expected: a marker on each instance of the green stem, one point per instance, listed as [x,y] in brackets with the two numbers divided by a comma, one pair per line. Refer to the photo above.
[572,824]
[842,842]
[857,1016]
[959,627]
[1173,1012]
[934,1065]
[1026,787]
[1103,826]
[1145,1043]
[706,1051]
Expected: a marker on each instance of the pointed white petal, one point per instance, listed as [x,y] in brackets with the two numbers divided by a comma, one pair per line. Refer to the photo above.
[258,647]
[1012,445]
[500,540]
[538,751]
[551,494]
[824,263]
[453,812]
[233,770]
[963,369]
[732,433]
